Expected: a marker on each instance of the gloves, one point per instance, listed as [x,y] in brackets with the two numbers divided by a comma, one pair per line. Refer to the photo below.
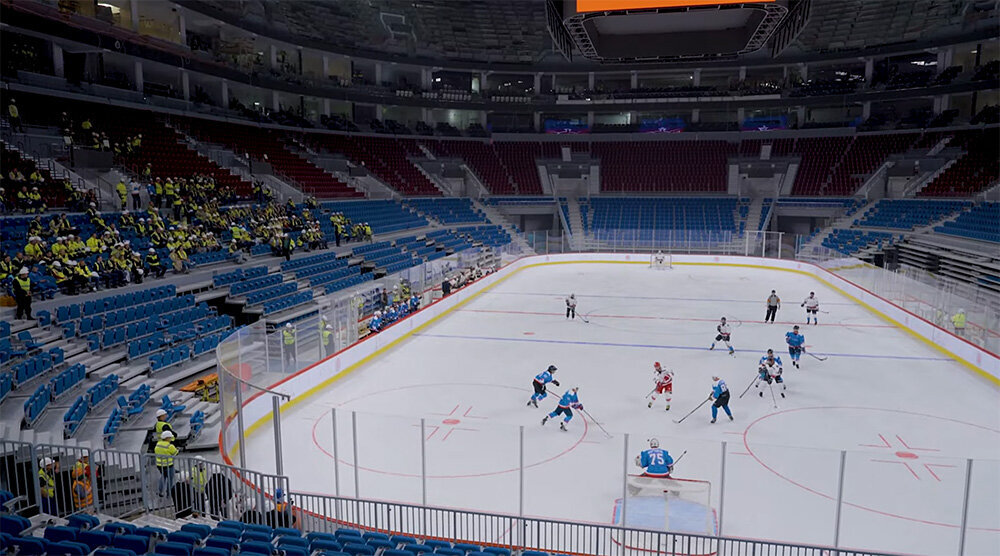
[578,406]
[803,305]
[556,382]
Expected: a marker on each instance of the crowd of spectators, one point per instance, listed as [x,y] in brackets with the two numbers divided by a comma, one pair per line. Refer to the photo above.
[109,250]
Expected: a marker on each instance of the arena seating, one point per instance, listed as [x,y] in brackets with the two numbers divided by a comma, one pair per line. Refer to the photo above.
[53,194]
[974,171]
[168,157]
[864,155]
[447,211]
[264,145]
[484,161]
[676,166]
[385,157]
[664,221]
[982,222]
[87,534]
[907,214]
[383,216]
[852,241]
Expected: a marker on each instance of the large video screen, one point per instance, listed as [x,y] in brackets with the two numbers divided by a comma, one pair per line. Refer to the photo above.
[585,6]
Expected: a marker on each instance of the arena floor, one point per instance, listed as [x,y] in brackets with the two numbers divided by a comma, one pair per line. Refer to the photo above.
[907,416]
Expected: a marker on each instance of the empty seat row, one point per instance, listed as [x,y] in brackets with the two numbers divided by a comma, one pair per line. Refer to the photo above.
[238,275]
[260,296]
[348,282]
[113,302]
[37,365]
[308,261]
[210,257]
[287,302]
[36,404]
[255,284]
[145,346]
[169,357]
[321,268]
[74,416]
[67,379]
[101,391]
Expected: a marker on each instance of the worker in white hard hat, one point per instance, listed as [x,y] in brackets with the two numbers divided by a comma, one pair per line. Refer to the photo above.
[161,425]
[327,337]
[165,452]
[47,470]
[288,348]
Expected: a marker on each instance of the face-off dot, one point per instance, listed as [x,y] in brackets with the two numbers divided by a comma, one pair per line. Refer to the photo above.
[906,455]
[451,421]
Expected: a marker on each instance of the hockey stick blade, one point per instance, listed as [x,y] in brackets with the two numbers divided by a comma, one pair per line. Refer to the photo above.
[809,353]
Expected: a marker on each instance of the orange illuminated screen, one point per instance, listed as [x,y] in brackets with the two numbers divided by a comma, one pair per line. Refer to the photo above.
[583,6]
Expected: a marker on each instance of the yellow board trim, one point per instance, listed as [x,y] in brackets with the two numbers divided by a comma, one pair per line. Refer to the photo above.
[298,399]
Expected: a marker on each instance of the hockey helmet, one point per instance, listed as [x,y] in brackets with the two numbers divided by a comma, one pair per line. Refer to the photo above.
[657,366]
[654,443]
[723,319]
[551,368]
[770,351]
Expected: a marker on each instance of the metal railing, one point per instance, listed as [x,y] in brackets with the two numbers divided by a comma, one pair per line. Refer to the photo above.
[124,484]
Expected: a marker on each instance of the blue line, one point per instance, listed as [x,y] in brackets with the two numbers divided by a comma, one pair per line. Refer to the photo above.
[655,346]
[714,299]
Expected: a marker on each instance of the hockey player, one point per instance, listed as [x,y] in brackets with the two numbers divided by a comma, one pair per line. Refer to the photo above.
[655,462]
[769,355]
[796,345]
[724,331]
[664,379]
[812,307]
[720,393]
[770,371]
[571,306]
[567,404]
[541,379]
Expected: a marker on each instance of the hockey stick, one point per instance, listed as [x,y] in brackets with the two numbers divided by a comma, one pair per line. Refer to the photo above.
[693,410]
[771,387]
[815,356]
[755,380]
[585,412]
[584,319]
[650,393]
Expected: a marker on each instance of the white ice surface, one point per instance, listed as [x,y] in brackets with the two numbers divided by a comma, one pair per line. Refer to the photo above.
[907,416]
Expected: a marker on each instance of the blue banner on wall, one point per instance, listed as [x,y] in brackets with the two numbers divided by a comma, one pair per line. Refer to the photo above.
[566,126]
[765,123]
[662,125]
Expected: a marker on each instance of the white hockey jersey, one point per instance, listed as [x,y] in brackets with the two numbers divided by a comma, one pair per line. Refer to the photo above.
[663,377]
[811,302]
[772,369]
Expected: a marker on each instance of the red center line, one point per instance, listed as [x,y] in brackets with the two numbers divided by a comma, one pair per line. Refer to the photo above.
[649,317]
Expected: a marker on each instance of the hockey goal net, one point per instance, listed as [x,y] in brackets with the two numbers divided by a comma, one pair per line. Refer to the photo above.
[675,505]
[660,261]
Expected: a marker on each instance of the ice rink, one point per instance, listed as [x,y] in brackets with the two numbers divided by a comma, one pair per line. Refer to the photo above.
[907,416]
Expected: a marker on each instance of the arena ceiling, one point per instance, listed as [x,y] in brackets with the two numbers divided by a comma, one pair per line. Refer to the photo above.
[515,31]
